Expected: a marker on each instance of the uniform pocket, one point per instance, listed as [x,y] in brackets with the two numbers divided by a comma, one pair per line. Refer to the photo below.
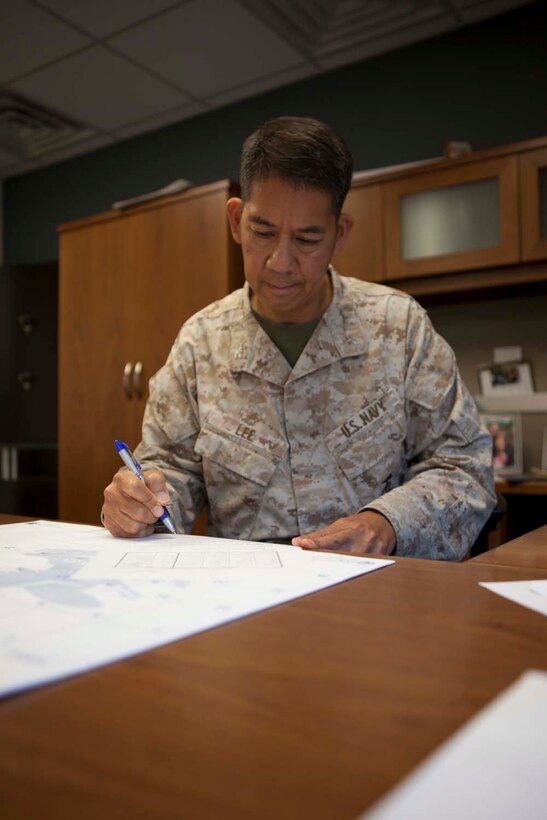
[372,452]
[230,454]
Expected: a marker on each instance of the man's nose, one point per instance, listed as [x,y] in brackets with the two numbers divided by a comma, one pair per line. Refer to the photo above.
[282,257]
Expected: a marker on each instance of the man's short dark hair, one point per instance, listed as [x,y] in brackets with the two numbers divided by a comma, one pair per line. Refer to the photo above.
[299,150]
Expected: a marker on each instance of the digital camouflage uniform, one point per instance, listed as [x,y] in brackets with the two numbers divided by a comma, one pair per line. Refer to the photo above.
[373,414]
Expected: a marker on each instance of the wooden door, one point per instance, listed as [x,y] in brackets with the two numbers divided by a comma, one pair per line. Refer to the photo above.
[93,311]
[128,282]
[533,204]
[458,218]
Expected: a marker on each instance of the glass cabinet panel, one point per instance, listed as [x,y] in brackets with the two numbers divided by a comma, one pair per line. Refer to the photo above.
[457,216]
[450,220]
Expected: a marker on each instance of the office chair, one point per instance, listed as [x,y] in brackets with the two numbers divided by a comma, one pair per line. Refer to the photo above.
[497,514]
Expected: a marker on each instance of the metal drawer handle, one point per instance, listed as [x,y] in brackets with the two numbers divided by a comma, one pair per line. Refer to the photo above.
[127,379]
[137,382]
[26,380]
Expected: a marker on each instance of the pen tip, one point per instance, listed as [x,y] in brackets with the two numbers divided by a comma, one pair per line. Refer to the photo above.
[169,524]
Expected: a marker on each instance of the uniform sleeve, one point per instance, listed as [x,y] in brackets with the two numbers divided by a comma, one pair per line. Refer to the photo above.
[170,429]
[447,492]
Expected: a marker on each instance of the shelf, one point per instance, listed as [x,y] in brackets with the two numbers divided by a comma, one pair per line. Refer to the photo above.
[523,403]
[521,488]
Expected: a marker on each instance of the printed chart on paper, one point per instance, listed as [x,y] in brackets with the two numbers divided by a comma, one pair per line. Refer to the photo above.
[73,598]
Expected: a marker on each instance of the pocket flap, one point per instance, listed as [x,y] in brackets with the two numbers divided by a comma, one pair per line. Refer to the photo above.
[230,454]
[357,450]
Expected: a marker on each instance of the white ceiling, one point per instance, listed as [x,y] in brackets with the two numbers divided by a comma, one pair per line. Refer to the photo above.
[117,68]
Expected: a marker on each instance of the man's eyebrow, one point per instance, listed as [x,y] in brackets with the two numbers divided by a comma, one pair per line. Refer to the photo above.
[259,220]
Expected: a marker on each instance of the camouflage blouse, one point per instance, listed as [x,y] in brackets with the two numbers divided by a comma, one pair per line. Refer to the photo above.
[373,415]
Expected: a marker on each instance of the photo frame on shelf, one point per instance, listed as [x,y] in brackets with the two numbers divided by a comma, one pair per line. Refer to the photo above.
[506,379]
[506,432]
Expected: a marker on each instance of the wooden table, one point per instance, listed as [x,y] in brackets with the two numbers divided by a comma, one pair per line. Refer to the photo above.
[527,551]
[311,709]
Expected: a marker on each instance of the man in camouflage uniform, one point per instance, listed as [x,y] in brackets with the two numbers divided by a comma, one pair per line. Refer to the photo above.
[308,407]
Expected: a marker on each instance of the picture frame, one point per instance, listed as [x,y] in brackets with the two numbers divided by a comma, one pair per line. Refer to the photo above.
[506,432]
[506,379]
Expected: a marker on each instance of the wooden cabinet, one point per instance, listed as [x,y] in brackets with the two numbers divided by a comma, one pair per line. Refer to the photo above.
[450,219]
[447,225]
[363,256]
[533,204]
[127,283]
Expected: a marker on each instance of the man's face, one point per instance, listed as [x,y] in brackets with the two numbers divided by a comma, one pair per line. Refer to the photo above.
[288,236]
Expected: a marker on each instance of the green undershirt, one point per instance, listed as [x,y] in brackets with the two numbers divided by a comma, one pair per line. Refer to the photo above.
[290,337]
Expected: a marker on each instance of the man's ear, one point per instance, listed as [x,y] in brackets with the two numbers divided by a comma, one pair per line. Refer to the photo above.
[234,209]
[345,224]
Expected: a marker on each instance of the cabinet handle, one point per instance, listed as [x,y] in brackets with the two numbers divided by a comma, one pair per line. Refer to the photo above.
[26,380]
[127,379]
[137,383]
[26,322]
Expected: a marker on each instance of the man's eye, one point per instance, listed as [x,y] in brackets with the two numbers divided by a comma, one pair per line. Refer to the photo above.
[263,234]
[303,241]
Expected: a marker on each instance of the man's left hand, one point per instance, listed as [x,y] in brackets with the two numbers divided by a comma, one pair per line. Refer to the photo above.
[366,532]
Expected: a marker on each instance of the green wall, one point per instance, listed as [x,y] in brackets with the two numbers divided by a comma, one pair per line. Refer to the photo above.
[486,84]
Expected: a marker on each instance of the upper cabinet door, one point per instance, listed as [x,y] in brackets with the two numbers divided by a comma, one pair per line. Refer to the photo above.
[363,255]
[533,204]
[453,219]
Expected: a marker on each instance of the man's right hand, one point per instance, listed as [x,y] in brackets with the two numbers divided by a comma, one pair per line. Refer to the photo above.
[130,507]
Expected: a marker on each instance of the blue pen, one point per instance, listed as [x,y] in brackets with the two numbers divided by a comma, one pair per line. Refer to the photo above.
[129,460]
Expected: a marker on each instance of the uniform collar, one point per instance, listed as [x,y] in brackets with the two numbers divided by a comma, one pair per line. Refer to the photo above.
[251,349]
[339,334]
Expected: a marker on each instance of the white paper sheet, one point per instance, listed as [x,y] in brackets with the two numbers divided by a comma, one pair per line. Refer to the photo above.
[492,769]
[166,558]
[532,594]
[57,619]
[199,557]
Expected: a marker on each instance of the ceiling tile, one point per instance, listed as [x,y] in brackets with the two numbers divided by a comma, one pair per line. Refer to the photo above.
[220,50]
[174,115]
[99,89]
[281,78]
[104,17]
[30,37]
[207,46]
[75,150]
